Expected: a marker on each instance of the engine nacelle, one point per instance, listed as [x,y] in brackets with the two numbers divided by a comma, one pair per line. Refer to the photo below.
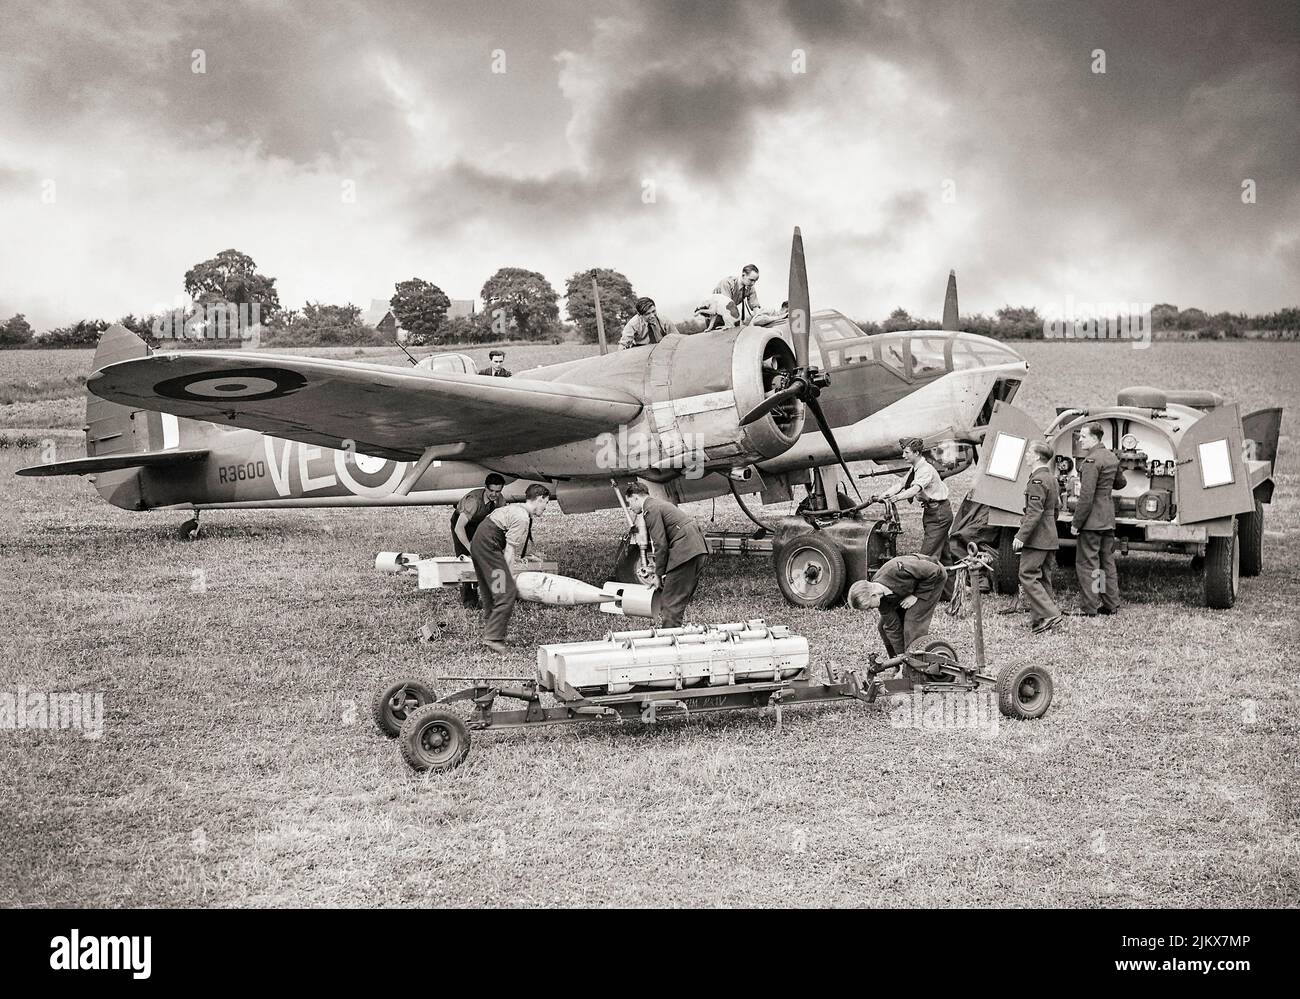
[696,390]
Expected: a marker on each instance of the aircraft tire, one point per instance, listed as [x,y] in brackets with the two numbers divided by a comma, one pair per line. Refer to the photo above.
[1250,536]
[811,571]
[1222,569]
[389,714]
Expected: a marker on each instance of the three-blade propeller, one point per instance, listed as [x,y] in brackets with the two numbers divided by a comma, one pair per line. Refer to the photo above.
[804,382]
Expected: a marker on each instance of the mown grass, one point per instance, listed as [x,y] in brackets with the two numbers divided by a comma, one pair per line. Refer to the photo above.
[239,766]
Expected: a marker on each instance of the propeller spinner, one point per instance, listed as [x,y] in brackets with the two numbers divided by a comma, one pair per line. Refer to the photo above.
[804,382]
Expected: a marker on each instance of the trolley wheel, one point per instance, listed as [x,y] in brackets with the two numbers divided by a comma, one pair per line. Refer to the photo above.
[811,572]
[1024,692]
[1006,577]
[942,648]
[189,531]
[1222,571]
[433,738]
[396,704]
[1250,537]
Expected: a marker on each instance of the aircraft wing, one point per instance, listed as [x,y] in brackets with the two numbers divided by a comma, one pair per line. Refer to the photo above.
[385,411]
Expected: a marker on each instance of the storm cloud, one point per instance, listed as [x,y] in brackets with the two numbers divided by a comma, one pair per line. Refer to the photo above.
[347,146]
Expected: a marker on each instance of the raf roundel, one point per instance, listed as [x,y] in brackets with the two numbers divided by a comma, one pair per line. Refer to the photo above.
[245,384]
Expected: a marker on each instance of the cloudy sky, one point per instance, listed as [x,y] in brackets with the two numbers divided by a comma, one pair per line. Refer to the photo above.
[349,145]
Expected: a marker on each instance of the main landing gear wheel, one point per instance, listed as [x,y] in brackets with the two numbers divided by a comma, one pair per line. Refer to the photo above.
[810,571]
[189,531]
[1024,692]
[396,704]
[434,738]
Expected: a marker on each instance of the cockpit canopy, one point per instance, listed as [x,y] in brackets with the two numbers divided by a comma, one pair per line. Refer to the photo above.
[839,342]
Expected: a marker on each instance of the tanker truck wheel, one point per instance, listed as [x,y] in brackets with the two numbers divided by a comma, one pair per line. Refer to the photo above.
[1006,577]
[433,738]
[811,572]
[395,704]
[1222,571]
[1250,538]
[1024,692]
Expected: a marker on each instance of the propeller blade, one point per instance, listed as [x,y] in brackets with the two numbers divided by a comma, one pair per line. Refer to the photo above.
[792,391]
[829,434]
[950,303]
[800,309]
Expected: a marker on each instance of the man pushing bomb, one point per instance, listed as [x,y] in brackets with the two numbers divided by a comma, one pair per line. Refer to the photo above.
[905,591]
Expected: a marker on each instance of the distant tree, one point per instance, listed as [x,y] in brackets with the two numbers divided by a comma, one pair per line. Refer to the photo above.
[1164,316]
[420,307]
[617,302]
[84,333]
[899,320]
[16,331]
[1191,319]
[1019,322]
[232,277]
[521,304]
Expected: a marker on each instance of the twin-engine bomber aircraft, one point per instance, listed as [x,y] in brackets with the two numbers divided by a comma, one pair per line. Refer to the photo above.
[695,416]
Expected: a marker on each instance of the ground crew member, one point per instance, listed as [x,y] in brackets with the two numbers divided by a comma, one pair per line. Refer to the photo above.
[496,364]
[645,327]
[923,483]
[905,591]
[502,535]
[1037,541]
[740,290]
[465,518]
[1094,525]
[679,549]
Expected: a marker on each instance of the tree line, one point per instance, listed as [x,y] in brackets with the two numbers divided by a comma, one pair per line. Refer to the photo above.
[518,304]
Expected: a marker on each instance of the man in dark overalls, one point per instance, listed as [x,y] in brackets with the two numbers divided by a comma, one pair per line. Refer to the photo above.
[1036,541]
[680,551]
[502,536]
[473,507]
[905,590]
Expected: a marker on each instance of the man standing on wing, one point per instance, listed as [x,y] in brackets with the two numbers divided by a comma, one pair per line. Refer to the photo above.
[740,291]
[679,547]
[503,536]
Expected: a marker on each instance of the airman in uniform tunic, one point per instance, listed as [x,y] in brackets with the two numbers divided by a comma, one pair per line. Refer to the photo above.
[905,590]
[496,365]
[680,551]
[1036,541]
[1094,525]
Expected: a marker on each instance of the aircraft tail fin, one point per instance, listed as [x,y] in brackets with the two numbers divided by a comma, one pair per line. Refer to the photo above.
[110,427]
[950,303]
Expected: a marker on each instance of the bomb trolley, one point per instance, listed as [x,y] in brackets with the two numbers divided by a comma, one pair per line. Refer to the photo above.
[434,736]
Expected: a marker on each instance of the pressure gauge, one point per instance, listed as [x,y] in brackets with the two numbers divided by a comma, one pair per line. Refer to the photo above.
[1128,442]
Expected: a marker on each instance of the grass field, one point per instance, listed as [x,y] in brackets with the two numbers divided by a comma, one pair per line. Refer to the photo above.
[238,765]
